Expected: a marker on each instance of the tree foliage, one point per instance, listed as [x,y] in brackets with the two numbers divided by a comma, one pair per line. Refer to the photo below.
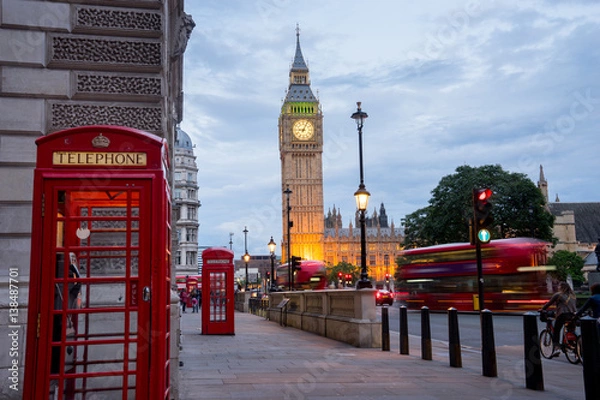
[518,208]
[567,263]
[344,268]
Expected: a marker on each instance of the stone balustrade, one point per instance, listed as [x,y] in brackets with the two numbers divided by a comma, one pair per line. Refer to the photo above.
[346,315]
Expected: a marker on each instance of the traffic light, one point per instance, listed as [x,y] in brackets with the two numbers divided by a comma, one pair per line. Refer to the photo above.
[482,215]
[296,263]
[348,279]
[387,278]
[340,275]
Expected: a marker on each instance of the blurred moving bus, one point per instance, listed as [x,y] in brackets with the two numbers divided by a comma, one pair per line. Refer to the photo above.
[311,276]
[444,276]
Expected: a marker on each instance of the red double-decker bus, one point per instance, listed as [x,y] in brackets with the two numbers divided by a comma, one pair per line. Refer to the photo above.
[444,276]
[311,276]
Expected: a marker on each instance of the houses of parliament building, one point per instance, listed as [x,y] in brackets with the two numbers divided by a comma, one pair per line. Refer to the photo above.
[383,242]
[310,234]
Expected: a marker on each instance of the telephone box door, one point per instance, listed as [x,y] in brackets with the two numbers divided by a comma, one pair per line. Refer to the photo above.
[98,321]
[218,297]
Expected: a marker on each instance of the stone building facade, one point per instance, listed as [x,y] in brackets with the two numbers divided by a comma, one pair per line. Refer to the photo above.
[185,205]
[577,225]
[383,239]
[69,63]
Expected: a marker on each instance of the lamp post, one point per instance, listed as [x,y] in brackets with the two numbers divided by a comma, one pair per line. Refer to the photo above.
[272,245]
[362,201]
[246,256]
[287,192]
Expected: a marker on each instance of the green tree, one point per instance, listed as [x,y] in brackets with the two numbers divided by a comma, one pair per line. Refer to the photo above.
[344,268]
[518,208]
[567,263]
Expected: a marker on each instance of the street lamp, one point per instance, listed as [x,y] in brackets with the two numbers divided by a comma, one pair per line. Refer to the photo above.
[272,245]
[246,256]
[362,201]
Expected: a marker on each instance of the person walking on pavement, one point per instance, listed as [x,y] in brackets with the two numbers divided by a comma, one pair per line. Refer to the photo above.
[592,302]
[566,306]
[195,301]
[183,299]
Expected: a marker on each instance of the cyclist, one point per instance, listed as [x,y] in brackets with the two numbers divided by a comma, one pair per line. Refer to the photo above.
[566,306]
[593,302]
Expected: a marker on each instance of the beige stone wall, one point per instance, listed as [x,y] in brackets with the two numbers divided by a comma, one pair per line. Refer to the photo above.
[348,315]
[65,64]
[564,230]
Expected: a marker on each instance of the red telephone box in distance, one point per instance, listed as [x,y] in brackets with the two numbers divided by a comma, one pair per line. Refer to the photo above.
[218,297]
[99,298]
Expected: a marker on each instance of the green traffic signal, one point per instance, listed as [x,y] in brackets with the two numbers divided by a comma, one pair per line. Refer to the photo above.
[482,215]
[484,236]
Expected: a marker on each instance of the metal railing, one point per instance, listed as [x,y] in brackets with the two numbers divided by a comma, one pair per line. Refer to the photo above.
[258,307]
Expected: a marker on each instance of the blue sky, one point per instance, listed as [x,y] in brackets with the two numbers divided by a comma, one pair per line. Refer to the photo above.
[445,83]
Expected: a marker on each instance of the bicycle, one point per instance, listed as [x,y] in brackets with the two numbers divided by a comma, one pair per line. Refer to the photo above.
[570,340]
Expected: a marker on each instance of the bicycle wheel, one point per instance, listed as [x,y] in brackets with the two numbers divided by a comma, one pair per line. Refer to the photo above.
[546,347]
[571,351]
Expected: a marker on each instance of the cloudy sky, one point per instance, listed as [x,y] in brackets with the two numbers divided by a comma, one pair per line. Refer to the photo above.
[445,83]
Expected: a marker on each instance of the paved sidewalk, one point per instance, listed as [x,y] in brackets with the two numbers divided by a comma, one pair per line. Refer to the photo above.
[266,361]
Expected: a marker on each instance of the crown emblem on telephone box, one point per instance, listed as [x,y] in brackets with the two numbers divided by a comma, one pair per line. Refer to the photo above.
[100,141]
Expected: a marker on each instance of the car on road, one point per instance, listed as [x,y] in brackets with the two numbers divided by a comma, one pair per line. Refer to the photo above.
[384,296]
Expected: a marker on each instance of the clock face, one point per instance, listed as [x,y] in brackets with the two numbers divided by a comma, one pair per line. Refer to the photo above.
[303,129]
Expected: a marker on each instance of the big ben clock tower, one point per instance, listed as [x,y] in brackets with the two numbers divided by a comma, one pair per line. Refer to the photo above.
[301,151]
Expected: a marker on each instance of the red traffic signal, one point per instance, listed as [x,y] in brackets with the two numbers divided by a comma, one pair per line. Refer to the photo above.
[484,194]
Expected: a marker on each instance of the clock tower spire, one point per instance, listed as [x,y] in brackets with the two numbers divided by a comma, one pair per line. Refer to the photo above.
[301,151]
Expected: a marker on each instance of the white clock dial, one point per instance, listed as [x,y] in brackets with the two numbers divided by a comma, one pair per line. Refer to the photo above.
[303,129]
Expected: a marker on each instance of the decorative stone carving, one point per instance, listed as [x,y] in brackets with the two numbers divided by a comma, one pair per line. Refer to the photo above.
[185,27]
[110,52]
[99,83]
[92,18]
[71,115]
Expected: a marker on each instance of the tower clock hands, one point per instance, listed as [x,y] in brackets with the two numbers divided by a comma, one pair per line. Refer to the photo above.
[303,129]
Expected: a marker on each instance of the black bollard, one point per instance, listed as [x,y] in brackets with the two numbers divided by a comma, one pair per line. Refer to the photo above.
[591,358]
[385,329]
[454,338]
[403,330]
[425,334]
[534,378]
[488,346]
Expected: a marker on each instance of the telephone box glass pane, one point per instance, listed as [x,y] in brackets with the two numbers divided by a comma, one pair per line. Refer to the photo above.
[218,296]
[97,295]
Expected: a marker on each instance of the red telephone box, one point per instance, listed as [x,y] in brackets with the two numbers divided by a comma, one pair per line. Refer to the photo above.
[218,296]
[98,324]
